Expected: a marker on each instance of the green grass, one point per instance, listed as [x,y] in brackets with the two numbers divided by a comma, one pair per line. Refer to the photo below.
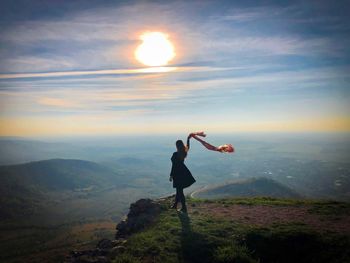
[233,253]
[296,243]
[176,237]
[51,244]
[331,208]
[320,204]
[253,201]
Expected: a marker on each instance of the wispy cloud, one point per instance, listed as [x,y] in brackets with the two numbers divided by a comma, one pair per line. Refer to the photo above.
[92,72]
[255,13]
[162,93]
[105,37]
[243,64]
[261,46]
[57,102]
[137,71]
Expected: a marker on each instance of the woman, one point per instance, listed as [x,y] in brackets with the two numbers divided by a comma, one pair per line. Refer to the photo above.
[180,175]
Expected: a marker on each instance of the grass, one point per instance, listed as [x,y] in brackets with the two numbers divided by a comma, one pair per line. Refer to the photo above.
[331,208]
[51,244]
[274,201]
[176,237]
[297,243]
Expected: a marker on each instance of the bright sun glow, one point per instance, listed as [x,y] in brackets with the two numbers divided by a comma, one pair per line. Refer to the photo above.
[156,50]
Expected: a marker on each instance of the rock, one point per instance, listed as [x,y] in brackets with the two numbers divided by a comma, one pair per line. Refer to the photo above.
[142,213]
[104,244]
[119,242]
[116,251]
[97,255]
[86,257]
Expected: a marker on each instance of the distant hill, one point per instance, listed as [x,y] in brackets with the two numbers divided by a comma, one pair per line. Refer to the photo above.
[251,187]
[24,188]
[17,150]
[56,174]
[131,161]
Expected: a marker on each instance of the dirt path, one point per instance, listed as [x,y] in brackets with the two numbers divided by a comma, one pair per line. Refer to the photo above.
[264,215]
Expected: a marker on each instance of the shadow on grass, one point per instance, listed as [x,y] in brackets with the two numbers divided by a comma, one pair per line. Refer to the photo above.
[195,248]
[298,245]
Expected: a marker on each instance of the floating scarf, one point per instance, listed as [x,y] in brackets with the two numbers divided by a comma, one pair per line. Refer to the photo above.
[226,148]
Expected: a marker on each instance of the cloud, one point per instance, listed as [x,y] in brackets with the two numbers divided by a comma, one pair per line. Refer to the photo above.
[103,38]
[235,64]
[57,102]
[255,13]
[137,71]
[92,72]
[175,92]
[261,46]
[83,123]
[34,63]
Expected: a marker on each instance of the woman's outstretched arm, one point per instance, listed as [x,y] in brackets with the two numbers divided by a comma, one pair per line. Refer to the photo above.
[188,142]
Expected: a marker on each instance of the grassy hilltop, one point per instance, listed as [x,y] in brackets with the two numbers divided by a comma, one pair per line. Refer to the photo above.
[235,230]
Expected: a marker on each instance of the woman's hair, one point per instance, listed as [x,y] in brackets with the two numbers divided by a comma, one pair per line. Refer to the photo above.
[181,149]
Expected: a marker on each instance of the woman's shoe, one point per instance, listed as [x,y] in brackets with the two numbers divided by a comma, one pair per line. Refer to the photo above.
[174,206]
[183,210]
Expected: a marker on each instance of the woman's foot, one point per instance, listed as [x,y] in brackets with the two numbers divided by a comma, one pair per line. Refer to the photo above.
[174,206]
[183,210]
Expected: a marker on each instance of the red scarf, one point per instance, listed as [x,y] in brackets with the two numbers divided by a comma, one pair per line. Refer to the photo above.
[226,148]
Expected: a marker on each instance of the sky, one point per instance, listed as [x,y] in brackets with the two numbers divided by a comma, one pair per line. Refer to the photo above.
[68,67]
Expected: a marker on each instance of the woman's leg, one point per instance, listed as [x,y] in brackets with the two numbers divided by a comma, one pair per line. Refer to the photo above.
[182,199]
[177,199]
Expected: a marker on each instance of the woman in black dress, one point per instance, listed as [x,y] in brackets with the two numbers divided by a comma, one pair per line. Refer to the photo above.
[180,175]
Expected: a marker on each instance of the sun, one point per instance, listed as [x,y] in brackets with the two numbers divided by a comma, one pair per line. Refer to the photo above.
[155,50]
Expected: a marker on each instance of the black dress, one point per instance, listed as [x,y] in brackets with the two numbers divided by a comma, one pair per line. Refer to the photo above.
[182,177]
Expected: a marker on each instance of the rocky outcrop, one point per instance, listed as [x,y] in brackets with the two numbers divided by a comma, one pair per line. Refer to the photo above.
[141,214]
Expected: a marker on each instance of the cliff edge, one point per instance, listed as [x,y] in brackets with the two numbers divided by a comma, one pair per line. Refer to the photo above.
[260,229]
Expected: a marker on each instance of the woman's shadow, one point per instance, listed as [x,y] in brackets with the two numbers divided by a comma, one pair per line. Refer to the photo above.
[194,246]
